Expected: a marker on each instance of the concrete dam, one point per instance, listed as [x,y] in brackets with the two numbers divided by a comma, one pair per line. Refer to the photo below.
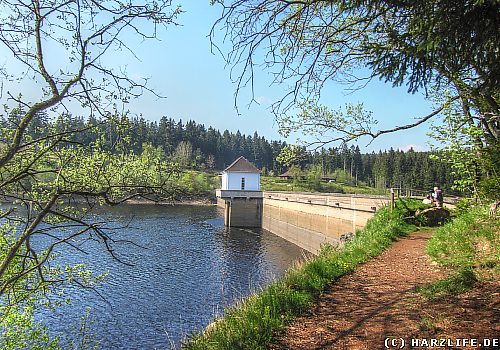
[308,220]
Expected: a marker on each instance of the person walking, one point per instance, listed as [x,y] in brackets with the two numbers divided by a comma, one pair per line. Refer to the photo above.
[438,197]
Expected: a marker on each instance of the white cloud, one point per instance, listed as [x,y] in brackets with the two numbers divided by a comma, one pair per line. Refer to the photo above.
[416,148]
[263,100]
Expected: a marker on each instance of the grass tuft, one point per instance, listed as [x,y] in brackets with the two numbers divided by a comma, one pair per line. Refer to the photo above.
[455,284]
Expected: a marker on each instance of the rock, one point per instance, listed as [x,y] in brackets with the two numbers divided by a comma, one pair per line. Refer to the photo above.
[432,216]
[346,237]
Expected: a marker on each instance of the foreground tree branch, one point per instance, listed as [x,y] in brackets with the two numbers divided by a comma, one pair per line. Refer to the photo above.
[421,44]
[63,47]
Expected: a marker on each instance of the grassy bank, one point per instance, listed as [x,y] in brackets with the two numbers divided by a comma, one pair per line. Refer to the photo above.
[199,184]
[253,323]
[269,183]
[470,247]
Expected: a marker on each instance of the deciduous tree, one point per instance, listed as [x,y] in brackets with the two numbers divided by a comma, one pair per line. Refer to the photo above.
[416,43]
[423,44]
[63,49]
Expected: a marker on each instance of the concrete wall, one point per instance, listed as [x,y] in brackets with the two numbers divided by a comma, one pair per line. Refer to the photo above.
[305,219]
[310,220]
[232,181]
[243,212]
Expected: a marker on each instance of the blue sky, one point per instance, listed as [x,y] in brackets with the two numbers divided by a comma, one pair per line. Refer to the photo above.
[197,86]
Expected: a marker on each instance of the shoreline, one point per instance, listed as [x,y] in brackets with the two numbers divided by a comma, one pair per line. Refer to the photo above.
[206,201]
[187,202]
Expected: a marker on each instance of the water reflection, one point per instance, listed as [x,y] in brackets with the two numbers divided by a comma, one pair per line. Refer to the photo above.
[186,269]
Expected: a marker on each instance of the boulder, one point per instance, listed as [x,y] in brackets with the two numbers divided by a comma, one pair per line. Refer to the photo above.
[433,216]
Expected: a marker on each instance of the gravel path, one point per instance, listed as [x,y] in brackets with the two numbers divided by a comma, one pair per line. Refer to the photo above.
[378,301]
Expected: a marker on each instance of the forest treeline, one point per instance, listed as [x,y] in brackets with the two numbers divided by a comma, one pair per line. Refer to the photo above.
[193,145]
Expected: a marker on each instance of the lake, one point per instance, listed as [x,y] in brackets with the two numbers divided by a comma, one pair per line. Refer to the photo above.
[186,268]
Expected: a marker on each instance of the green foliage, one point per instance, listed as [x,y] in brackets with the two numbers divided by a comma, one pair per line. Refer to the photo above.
[253,323]
[314,176]
[463,206]
[471,241]
[475,164]
[190,145]
[489,184]
[31,290]
[18,331]
[318,121]
[343,177]
[457,283]
[423,44]
[66,171]
[51,188]
[183,154]
[385,169]
[85,338]
[347,165]
[51,174]
[413,43]
[296,174]
[292,155]
[190,183]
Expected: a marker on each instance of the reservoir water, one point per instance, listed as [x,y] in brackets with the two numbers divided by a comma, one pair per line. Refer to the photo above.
[186,267]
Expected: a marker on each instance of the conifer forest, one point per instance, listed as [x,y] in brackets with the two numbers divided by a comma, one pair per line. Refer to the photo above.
[195,146]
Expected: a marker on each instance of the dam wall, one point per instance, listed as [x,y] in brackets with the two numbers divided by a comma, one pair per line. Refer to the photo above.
[310,220]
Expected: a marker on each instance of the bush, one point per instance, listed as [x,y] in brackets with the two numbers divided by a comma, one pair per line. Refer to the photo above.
[195,184]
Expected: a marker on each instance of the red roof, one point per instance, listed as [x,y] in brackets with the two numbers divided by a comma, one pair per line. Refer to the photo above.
[242,165]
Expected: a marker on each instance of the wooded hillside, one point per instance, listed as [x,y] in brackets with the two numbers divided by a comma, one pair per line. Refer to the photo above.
[196,146]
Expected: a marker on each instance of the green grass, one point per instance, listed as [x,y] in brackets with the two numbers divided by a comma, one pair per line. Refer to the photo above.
[457,283]
[469,241]
[269,183]
[253,323]
[470,246]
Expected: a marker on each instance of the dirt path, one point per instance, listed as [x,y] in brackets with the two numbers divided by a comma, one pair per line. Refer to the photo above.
[378,301]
